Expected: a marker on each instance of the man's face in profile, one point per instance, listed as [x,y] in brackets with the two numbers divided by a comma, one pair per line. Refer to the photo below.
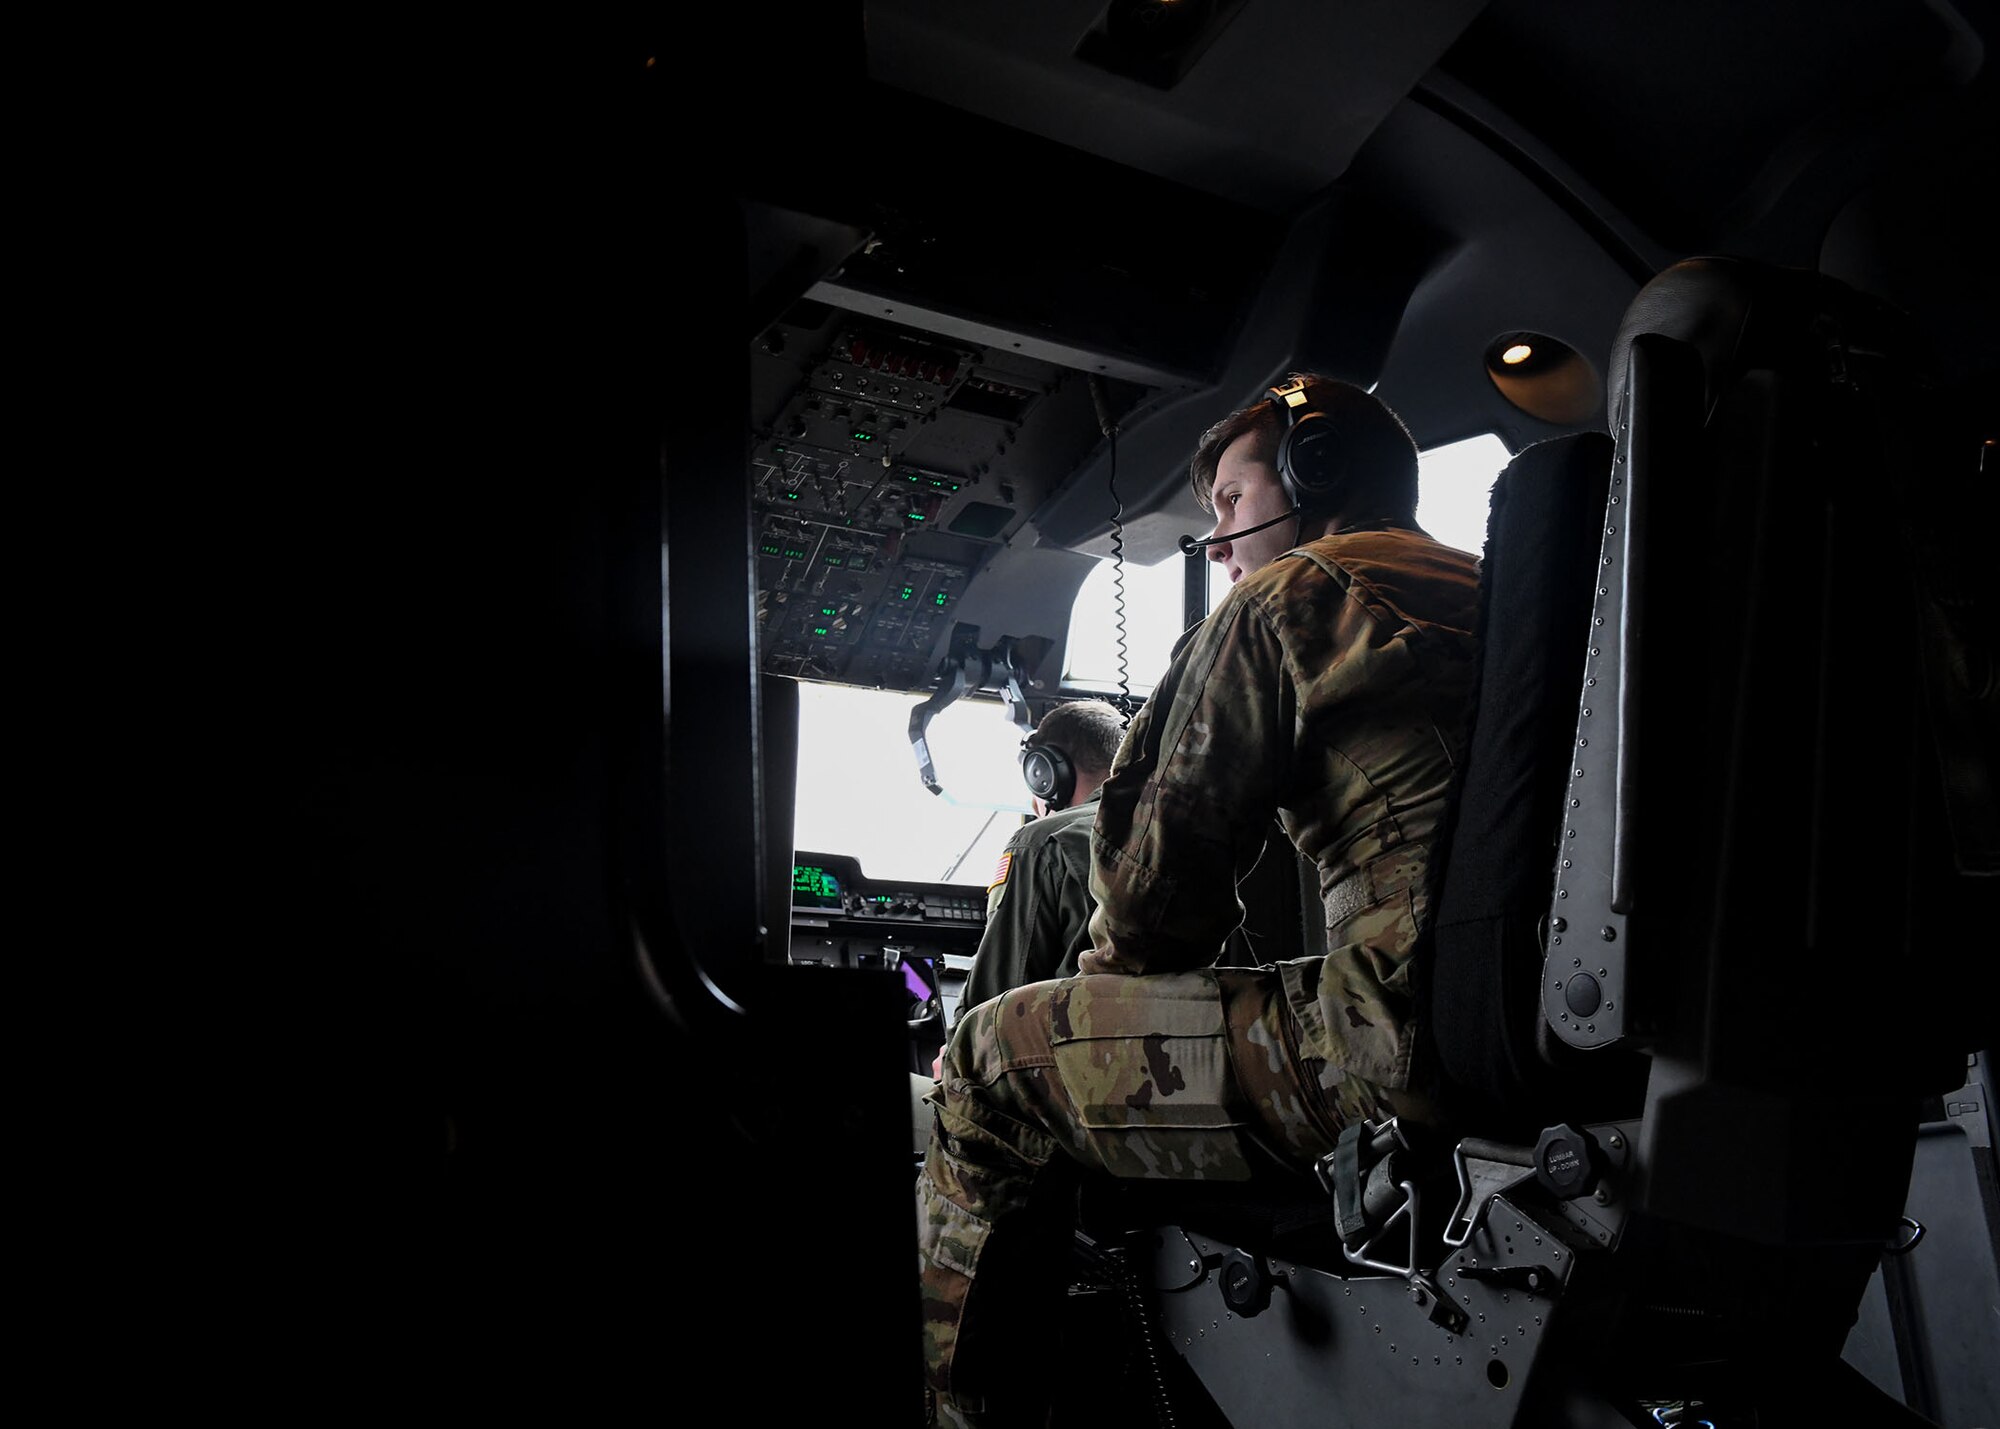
[1246,492]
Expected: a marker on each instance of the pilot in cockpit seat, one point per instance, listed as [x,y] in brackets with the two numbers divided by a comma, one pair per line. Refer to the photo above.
[1332,687]
[1038,903]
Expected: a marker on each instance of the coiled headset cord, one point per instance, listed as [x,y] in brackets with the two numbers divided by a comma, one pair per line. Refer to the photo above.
[1101,402]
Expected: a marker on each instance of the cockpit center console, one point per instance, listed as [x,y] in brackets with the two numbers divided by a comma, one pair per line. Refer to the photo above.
[843,918]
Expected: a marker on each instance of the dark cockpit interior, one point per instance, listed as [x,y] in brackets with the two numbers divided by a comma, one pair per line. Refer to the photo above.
[745,354]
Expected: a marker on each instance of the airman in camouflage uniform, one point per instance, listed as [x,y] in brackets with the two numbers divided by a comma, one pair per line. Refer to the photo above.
[1038,905]
[1333,685]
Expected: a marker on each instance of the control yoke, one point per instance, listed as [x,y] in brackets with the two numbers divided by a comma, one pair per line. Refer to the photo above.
[966,668]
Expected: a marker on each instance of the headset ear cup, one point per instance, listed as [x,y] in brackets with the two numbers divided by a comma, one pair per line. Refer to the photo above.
[1309,460]
[1048,773]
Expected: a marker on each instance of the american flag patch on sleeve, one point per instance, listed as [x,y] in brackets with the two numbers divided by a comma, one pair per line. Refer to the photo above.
[1000,870]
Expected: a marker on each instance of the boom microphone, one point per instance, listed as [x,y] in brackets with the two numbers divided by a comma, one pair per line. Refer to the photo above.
[1189,545]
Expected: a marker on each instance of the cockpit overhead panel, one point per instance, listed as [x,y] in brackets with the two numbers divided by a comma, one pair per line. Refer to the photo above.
[888,465]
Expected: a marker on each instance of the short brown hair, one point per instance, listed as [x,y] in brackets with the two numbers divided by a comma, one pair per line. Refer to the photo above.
[1088,731]
[1377,446]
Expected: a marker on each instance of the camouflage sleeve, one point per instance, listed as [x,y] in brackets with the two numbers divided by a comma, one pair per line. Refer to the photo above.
[1019,920]
[1189,797]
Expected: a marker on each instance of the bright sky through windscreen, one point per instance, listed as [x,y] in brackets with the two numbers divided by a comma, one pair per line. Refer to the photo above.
[860,793]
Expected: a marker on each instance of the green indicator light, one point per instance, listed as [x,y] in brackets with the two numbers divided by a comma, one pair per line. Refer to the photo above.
[906,593]
[819,630]
[769,550]
[833,560]
[941,598]
[791,496]
[781,450]
[826,610]
[912,476]
[916,515]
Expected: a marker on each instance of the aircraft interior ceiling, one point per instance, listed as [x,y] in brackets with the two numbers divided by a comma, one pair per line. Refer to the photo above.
[1090,225]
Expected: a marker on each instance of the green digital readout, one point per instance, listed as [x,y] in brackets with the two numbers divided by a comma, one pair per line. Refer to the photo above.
[813,884]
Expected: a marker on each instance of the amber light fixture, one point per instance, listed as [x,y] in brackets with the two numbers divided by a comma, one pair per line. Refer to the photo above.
[1543,377]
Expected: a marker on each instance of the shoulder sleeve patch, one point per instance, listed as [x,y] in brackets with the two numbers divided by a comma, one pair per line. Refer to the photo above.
[997,888]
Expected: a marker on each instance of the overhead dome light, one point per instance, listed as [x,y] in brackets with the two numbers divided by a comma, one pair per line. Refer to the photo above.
[1547,379]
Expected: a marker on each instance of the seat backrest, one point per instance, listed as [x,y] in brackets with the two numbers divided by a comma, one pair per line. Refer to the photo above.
[1479,971]
[1758,885]
[1775,876]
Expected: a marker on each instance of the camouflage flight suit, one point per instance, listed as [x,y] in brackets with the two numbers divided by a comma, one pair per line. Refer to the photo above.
[1333,686]
[1038,906]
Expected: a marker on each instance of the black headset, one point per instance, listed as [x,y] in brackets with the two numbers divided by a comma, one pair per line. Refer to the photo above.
[1308,458]
[1048,772]
[1309,452]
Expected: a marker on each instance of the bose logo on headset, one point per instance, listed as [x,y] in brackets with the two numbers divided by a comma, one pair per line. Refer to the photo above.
[1049,774]
[1308,461]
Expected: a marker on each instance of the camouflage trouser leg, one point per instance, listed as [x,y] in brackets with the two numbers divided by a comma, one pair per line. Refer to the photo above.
[1169,1076]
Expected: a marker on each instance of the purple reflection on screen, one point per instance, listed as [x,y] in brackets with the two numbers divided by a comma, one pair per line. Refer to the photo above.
[914,980]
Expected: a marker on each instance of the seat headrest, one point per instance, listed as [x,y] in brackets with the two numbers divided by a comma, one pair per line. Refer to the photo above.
[1723,307]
